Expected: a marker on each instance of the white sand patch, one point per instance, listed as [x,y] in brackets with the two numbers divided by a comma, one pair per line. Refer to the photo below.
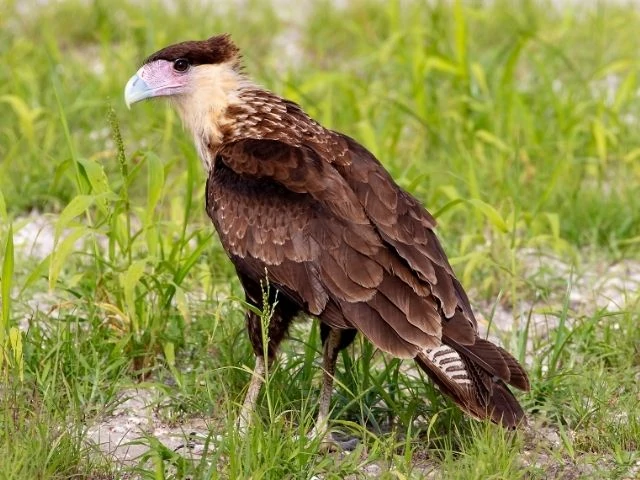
[34,235]
[122,436]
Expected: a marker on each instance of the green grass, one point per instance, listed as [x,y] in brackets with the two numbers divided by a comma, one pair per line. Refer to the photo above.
[515,123]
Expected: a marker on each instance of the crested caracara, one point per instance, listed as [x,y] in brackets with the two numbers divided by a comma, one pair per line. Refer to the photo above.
[315,213]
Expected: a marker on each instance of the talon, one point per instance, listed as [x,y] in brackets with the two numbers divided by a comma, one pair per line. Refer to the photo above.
[332,441]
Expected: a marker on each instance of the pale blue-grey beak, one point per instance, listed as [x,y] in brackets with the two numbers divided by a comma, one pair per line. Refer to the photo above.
[136,90]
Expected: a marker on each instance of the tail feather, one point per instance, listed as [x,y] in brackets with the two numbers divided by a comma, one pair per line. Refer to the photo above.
[494,360]
[486,355]
[475,377]
[505,409]
[519,377]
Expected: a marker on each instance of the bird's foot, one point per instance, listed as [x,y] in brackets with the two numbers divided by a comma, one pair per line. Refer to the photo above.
[334,441]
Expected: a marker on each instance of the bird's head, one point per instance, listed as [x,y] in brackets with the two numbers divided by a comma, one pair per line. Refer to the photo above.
[202,79]
[186,69]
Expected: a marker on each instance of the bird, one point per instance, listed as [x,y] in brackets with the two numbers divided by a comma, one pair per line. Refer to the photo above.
[315,216]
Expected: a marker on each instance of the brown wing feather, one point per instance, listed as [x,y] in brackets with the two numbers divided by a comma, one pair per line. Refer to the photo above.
[349,257]
[342,240]
[404,224]
[479,368]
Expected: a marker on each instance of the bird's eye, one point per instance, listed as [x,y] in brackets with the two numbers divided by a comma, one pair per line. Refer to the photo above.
[181,65]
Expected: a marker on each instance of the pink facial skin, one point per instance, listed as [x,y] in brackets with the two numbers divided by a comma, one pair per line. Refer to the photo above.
[155,79]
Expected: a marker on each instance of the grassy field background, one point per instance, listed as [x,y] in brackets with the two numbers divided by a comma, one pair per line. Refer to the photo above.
[123,353]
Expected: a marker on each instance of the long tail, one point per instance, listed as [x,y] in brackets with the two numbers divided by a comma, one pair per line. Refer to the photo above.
[476,377]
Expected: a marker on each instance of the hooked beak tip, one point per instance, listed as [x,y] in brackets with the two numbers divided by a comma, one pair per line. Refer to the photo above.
[136,90]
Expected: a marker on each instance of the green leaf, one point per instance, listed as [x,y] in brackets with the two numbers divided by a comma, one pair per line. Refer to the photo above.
[169,353]
[626,91]
[5,287]
[615,67]
[600,138]
[35,274]
[442,64]
[461,36]
[474,261]
[3,208]
[491,214]
[76,206]
[450,191]
[129,280]
[153,244]
[554,224]
[367,134]
[448,206]
[511,62]
[632,156]
[490,139]
[169,350]
[155,179]
[182,304]
[191,260]
[15,341]
[94,174]
[26,116]
[61,253]
[480,77]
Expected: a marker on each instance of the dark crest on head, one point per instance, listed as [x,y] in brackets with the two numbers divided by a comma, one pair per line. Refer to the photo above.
[218,49]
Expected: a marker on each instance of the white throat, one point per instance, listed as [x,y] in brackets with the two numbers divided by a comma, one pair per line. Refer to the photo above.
[212,89]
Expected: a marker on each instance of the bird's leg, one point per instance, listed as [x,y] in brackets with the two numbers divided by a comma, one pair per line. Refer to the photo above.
[249,404]
[330,355]
[276,332]
[332,345]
